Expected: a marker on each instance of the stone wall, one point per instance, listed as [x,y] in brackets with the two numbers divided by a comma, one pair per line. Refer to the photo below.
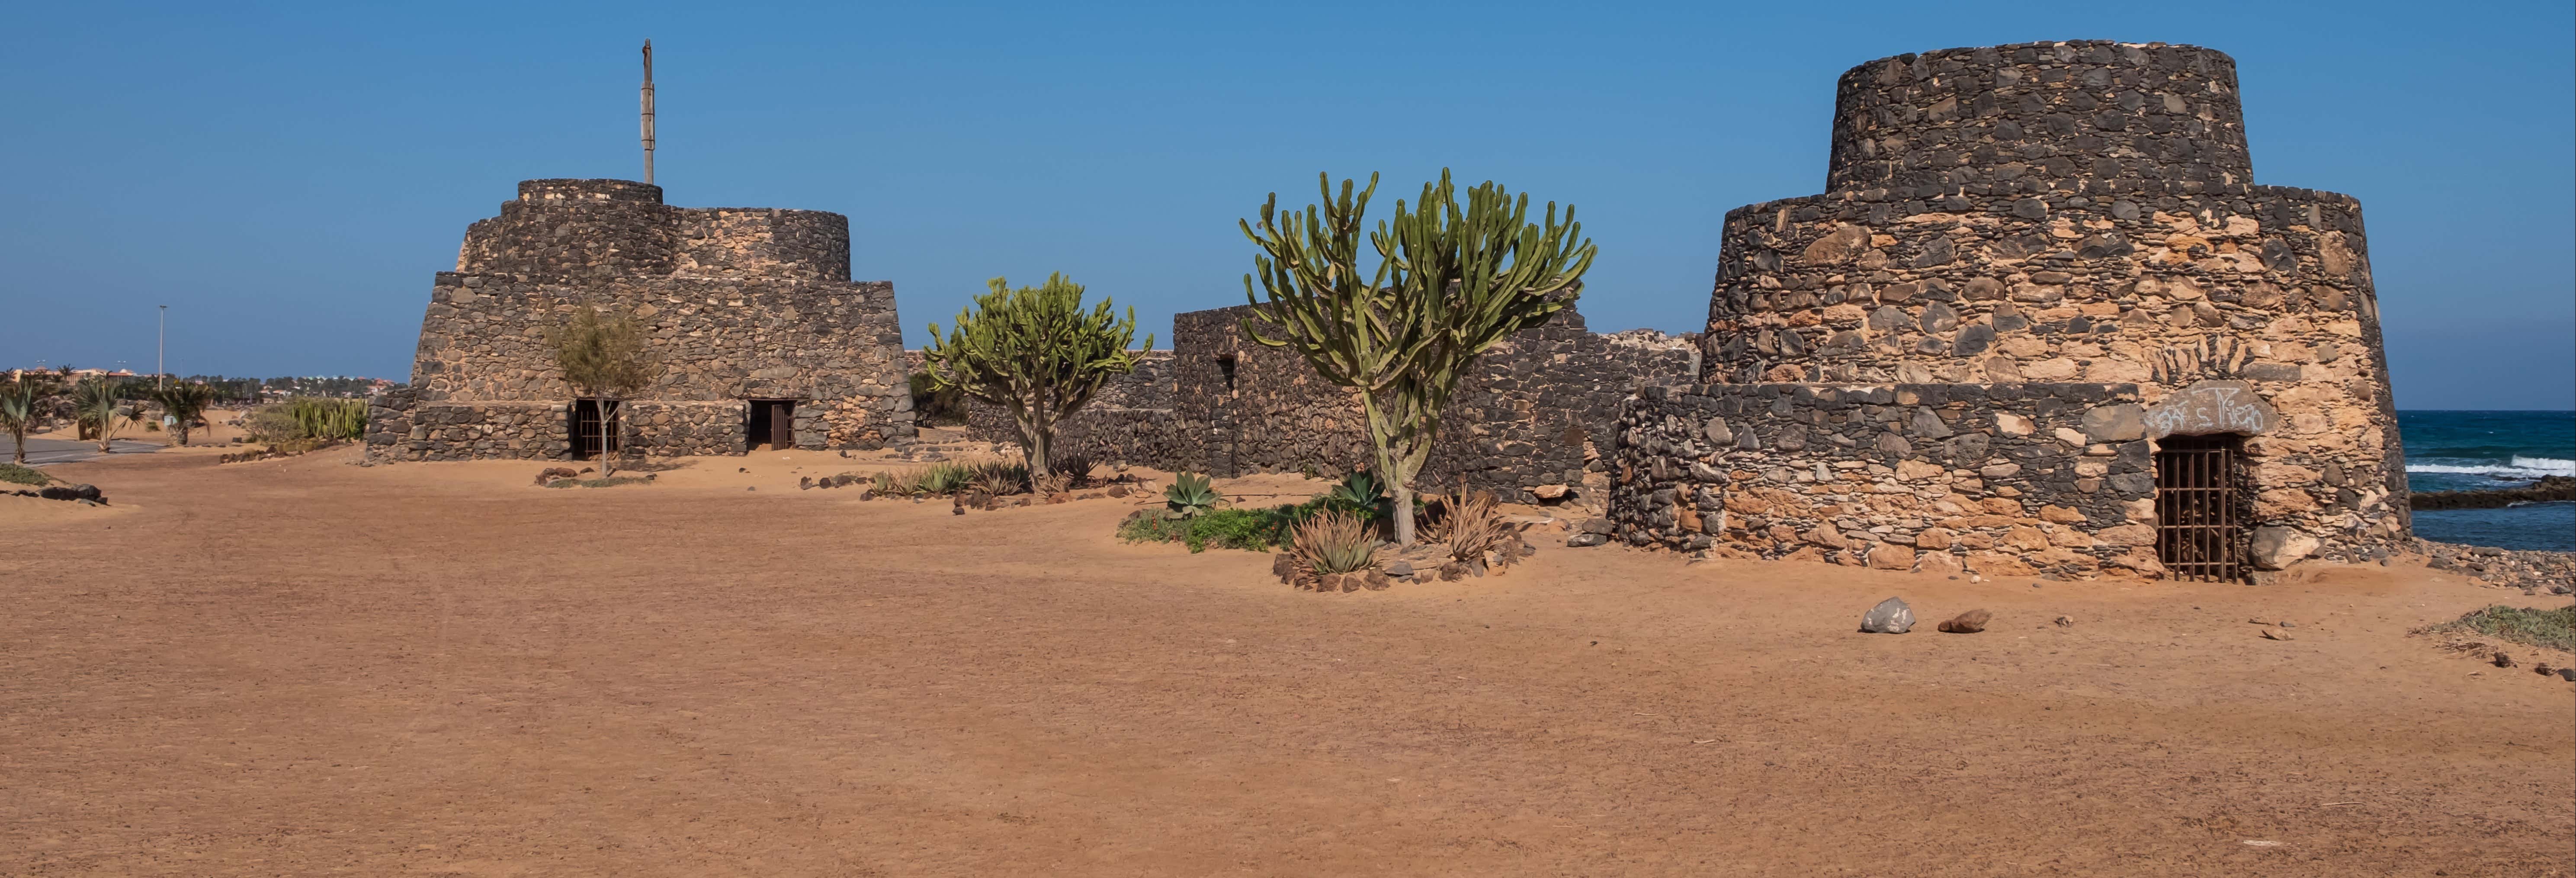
[2006,479]
[1129,421]
[740,304]
[1529,414]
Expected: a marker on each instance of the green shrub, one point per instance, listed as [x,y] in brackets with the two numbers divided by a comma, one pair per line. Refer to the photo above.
[24,475]
[307,419]
[329,418]
[2553,628]
[1251,530]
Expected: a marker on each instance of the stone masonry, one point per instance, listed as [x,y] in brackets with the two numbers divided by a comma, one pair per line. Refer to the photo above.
[1525,423]
[2047,215]
[742,304]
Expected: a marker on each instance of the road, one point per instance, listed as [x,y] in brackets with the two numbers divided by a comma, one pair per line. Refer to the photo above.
[44,451]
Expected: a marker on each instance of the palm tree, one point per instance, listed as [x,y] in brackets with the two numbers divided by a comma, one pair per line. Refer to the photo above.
[184,402]
[94,403]
[18,415]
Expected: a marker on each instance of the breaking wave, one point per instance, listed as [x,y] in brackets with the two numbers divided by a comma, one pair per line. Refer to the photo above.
[2519,468]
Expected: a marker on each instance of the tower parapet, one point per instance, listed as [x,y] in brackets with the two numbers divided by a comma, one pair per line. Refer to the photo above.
[2081,117]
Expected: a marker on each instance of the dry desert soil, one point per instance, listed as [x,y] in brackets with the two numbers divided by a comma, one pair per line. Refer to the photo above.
[305,667]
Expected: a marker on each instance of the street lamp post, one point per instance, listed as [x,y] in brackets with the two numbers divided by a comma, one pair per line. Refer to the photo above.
[158,345]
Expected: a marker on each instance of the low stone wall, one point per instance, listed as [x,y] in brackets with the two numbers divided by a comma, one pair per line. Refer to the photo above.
[1529,414]
[400,428]
[2010,479]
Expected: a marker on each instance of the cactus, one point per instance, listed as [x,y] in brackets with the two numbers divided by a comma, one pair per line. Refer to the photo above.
[1189,496]
[1449,284]
[1035,352]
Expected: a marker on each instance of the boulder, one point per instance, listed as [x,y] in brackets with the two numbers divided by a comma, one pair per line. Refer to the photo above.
[1969,622]
[2276,548]
[1891,616]
[1586,539]
[1602,526]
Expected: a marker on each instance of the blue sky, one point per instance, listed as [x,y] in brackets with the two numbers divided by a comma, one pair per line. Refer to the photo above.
[287,177]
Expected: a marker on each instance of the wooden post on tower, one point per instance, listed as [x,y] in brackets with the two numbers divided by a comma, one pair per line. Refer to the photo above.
[648,111]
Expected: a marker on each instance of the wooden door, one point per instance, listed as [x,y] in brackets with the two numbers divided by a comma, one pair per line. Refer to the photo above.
[782,425]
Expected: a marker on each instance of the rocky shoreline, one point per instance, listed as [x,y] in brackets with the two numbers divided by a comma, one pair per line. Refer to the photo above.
[2530,570]
[2548,489]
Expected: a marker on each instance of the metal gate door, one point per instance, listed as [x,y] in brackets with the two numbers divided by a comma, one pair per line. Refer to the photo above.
[2197,526]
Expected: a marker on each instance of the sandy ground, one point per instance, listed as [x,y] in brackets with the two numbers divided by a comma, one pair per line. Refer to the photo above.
[305,667]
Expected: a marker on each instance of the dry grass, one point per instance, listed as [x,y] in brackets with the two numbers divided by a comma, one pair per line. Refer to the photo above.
[2549,629]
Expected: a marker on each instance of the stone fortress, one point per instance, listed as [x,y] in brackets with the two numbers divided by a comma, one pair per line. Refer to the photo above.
[2041,322]
[761,335]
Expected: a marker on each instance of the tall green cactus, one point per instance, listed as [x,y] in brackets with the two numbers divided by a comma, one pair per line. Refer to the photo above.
[1450,283]
[1035,352]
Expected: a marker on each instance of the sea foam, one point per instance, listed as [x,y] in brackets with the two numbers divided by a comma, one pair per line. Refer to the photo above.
[2520,468]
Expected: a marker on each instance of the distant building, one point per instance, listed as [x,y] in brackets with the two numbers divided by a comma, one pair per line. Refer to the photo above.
[762,336]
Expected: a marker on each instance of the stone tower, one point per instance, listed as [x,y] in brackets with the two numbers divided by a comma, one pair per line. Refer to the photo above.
[2042,320]
[761,335]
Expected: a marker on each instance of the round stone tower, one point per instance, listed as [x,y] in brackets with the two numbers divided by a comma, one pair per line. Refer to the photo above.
[2083,212]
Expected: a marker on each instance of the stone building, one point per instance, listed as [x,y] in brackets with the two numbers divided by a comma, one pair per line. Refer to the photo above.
[762,337]
[1525,422]
[2041,321]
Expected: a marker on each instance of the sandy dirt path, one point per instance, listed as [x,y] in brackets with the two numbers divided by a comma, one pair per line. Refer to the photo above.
[303,667]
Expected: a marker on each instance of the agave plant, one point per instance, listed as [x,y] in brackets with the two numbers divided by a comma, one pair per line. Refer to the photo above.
[1190,496]
[1358,494]
[1474,527]
[1334,542]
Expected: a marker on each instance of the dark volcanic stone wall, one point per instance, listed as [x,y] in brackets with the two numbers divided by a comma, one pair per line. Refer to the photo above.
[2040,117]
[2005,479]
[741,304]
[1528,415]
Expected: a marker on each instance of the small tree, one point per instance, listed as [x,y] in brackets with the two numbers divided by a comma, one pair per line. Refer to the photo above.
[184,402]
[1450,283]
[1035,352]
[94,404]
[18,414]
[605,359]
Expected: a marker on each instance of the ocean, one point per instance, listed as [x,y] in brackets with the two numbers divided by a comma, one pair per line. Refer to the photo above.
[2462,451]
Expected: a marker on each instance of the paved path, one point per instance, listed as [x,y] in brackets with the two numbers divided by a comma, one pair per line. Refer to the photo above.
[44,451]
